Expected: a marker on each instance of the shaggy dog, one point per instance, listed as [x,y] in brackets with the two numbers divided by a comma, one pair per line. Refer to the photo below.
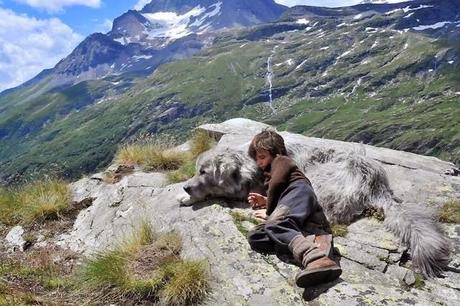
[346,184]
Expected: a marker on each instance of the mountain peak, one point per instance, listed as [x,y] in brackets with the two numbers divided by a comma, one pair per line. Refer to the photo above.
[160,22]
[180,6]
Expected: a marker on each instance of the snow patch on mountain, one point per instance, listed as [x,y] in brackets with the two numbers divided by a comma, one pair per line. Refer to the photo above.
[139,57]
[302,21]
[171,25]
[409,9]
[436,25]
[216,9]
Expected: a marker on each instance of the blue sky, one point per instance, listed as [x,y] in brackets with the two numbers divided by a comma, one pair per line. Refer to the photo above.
[82,16]
[36,34]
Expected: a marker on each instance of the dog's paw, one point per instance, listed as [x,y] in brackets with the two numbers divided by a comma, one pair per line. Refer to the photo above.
[184,199]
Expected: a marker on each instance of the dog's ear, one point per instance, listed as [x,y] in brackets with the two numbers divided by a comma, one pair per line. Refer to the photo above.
[228,169]
[230,174]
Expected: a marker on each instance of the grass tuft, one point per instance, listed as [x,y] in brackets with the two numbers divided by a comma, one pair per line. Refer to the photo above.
[106,270]
[8,207]
[35,202]
[148,267]
[419,281]
[239,219]
[186,171]
[170,241]
[187,283]
[201,141]
[339,230]
[43,200]
[152,154]
[450,212]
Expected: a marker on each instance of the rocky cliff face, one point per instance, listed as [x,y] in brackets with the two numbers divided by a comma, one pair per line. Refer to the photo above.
[375,266]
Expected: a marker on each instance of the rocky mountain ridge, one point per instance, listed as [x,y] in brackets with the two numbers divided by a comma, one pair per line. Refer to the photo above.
[162,31]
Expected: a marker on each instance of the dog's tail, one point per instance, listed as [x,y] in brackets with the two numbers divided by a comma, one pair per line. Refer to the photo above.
[418,230]
[348,183]
[414,224]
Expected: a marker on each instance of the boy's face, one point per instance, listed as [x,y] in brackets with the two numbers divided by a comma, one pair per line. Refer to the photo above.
[263,159]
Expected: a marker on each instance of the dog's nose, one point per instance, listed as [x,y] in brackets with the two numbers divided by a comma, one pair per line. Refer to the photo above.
[187,189]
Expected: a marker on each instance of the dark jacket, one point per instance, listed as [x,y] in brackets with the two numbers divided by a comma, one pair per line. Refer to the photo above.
[282,172]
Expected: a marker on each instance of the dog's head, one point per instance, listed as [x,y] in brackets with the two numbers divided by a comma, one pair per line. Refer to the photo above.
[222,174]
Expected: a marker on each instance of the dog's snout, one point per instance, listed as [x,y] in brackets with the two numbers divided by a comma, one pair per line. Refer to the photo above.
[187,189]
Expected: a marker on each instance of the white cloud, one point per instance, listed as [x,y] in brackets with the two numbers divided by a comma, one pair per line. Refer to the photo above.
[29,45]
[140,4]
[57,5]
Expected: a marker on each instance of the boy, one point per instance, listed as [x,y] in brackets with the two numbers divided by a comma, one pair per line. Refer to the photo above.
[290,207]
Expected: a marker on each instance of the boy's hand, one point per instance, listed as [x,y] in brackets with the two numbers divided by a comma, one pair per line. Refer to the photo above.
[257,200]
[261,214]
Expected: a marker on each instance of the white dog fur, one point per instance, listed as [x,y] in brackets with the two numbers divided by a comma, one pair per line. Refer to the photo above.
[346,185]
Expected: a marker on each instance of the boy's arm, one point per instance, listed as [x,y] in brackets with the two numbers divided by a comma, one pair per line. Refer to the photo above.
[257,200]
[280,170]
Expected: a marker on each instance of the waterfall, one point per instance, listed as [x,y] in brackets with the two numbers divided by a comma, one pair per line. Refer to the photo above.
[269,77]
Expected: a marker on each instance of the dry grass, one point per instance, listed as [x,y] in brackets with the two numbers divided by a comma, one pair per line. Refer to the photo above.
[201,141]
[8,207]
[339,230]
[43,200]
[35,277]
[148,267]
[35,202]
[187,283]
[158,154]
[151,154]
[450,212]
[186,171]
[239,220]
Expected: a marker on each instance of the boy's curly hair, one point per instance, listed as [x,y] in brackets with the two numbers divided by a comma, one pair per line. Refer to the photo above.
[268,140]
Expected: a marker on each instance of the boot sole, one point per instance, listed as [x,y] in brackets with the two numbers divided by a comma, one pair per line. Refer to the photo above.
[317,276]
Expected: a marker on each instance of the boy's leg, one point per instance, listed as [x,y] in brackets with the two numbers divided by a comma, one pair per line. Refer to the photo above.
[259,240]
[296,204]
[314,252]
[284,223]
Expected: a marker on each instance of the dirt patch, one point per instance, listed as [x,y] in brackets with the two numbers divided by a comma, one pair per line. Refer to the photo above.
[144,264]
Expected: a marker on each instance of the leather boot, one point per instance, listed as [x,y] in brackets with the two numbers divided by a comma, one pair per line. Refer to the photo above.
[315,253]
